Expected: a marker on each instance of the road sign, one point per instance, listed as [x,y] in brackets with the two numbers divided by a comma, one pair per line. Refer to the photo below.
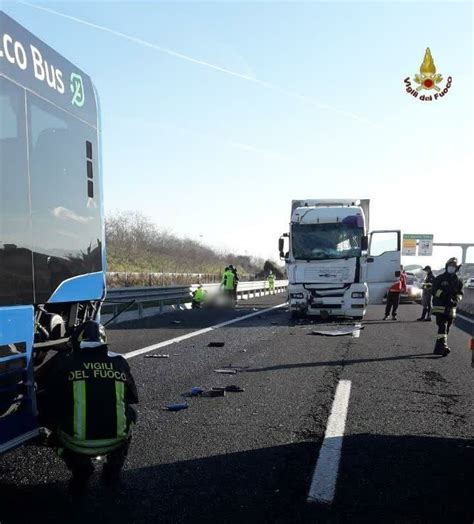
[409,246]
[425,246]
[425,243]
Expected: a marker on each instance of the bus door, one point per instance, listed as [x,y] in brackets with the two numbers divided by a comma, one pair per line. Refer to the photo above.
[18,420]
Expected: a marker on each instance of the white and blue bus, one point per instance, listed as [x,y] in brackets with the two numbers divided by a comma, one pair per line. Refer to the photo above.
[52,252]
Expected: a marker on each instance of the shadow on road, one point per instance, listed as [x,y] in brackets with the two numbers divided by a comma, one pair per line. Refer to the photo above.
[389,479]
[345,362]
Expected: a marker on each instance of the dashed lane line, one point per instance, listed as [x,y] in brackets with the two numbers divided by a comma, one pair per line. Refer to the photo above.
[323,485]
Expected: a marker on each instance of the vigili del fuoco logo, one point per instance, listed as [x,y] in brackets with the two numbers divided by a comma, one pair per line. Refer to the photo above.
[428,81]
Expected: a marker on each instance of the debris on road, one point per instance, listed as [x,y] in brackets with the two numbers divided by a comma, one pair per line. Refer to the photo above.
[216,344]
[337,332]
[157,356]
[226,371]
[214,392]
[234,389]
[176,407]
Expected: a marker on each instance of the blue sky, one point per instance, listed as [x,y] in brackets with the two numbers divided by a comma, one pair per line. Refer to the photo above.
[317,109]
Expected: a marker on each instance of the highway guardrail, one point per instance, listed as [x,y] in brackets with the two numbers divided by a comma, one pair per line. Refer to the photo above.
[155,300]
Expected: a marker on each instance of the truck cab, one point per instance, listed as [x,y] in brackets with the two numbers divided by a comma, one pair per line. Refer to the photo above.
[331,271]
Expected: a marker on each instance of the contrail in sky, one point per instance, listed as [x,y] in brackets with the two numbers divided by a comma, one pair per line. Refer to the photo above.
[171,52]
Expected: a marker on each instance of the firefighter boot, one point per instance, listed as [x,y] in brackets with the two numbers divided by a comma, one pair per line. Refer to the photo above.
[441,347]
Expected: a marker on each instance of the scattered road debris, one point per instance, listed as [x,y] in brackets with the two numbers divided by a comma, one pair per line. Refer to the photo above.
[216,344]
[157,356]
[214,392]
[338,332]
[226,371]
[234,389]
[176,407]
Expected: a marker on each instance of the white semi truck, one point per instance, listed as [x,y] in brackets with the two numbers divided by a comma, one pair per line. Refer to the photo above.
[334,264]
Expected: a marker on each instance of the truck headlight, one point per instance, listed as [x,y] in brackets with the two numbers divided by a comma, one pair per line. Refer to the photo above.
[358,294]
[296,295]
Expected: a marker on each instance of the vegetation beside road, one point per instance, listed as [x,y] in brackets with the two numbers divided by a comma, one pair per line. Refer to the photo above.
[137,245]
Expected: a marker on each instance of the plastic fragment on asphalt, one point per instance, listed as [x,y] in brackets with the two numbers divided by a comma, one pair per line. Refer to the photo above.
[214,392]
[234,389]
[226,371]
[216,344]
[157,356]
[337,332]
[176,407]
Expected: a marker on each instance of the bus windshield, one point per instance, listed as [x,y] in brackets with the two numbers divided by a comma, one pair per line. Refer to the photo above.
[325,241]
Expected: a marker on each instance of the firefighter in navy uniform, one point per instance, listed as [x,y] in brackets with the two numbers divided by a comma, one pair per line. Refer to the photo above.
[84,398]
[447,293]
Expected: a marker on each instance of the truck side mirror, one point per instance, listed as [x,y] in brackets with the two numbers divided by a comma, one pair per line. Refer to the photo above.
[281,245]
[364,243]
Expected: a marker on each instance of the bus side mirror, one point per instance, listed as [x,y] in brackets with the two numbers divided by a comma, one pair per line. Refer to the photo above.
[364,243]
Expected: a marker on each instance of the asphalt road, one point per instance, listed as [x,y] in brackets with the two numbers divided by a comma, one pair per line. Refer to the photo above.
[407,451]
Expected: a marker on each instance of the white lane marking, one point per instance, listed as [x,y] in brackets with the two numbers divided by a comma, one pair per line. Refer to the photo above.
[323,485]
[165,343]
[356,334]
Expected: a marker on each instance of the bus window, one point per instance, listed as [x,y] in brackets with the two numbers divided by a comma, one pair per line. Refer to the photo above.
[66,221]
[16,275]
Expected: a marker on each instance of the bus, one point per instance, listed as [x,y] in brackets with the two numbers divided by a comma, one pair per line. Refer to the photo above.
[52,251]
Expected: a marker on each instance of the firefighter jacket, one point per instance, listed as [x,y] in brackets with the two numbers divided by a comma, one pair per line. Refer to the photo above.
[87,394]
[447,292]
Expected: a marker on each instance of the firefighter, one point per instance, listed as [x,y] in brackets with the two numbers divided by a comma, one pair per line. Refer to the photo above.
[426,296]
[228,284]
[199,296]
[271,282]
[84,398]
[447,293]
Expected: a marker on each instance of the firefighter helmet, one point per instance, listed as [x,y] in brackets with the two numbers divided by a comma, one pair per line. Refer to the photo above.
[89,333]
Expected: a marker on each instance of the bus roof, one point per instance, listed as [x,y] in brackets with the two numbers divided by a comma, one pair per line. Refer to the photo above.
[31,63]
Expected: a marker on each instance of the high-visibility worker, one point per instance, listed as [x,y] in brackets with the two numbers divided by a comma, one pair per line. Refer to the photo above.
[199,296]
[228,284]
[393,295]
[84,398]
[447,293]
[271,282]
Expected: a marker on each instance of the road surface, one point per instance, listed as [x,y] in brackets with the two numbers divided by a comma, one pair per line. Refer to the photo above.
[399,436]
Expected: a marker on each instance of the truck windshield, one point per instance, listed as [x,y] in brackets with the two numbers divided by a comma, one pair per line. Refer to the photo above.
[325,241]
